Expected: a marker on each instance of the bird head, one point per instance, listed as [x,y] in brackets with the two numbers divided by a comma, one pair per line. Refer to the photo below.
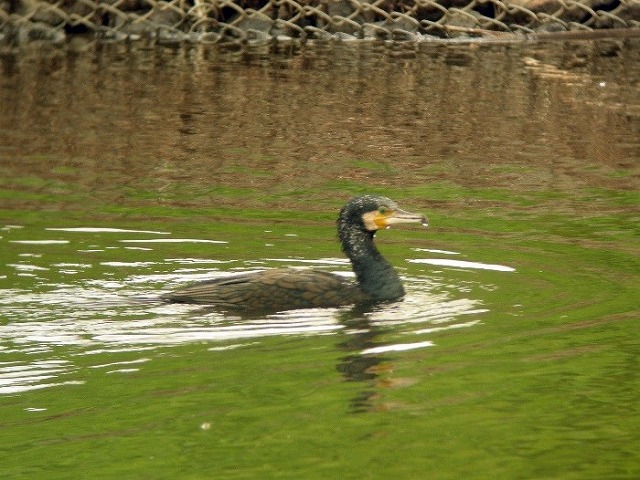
[375,212]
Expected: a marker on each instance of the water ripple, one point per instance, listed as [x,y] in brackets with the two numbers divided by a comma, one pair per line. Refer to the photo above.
[17,377]
[111,315]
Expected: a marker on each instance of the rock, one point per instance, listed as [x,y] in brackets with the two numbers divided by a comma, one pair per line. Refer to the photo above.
[257,22]
[559,11]
[161,15]
[464,21]
[41,12]
[317,33]
[257,37]
[625,15]
[170,37]
[344,37]
[33,31]
[204,37]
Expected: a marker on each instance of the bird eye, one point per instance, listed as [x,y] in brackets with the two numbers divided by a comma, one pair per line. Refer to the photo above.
[383,210]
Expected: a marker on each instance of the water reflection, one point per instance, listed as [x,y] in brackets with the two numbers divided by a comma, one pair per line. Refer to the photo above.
[354,367]
[146,133]
[19,377]
[446,262]
[409,113]
[103,311]
[525,156]
[72,317]
[105,315]
[365,346]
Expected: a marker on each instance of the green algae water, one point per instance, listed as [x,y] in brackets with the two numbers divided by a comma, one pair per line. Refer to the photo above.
[128,170]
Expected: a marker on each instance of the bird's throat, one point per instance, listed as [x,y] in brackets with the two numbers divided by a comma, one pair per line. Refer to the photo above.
[375,275]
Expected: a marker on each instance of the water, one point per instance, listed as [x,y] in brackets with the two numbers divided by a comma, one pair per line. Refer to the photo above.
[127,170]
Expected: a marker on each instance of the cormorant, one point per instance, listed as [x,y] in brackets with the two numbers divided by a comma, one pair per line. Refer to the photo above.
[287,289]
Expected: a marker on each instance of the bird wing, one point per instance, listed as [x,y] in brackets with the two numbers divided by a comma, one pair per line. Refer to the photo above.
[272,290]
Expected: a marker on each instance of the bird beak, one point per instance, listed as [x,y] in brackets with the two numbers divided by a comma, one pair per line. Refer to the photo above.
[400,216]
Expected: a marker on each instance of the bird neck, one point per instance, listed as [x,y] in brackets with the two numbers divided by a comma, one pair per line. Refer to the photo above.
[375,275]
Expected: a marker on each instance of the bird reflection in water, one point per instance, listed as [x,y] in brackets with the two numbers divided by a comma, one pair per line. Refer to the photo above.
[355,367]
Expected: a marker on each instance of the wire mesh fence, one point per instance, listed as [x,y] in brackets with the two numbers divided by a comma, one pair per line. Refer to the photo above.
[268,20]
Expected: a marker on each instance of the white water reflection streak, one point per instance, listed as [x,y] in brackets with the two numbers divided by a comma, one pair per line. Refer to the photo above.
[115,315]
[99,319]
[446,262]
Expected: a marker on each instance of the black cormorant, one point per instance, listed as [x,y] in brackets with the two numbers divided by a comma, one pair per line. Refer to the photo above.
[287,289]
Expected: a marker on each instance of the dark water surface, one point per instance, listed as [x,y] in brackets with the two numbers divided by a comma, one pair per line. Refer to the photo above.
[127,170]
